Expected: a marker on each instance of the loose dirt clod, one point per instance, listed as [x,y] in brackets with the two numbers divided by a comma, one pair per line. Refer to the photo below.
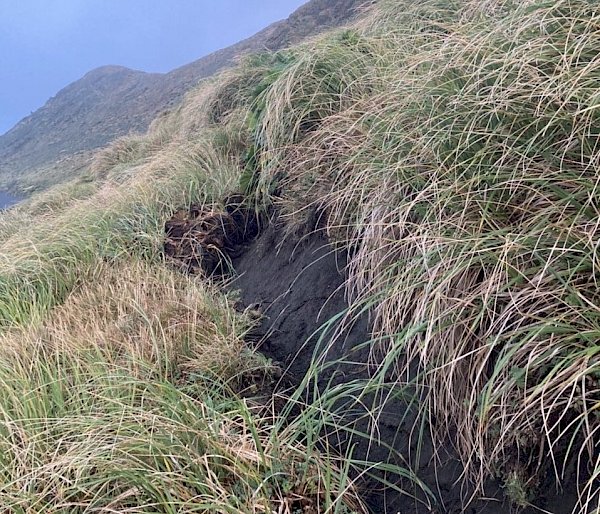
[204,239]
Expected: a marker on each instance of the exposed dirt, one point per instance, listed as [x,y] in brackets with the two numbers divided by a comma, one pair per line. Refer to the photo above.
[205,239]
[298,286]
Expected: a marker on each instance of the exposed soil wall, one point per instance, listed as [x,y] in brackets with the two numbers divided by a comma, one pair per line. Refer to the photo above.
[298,285]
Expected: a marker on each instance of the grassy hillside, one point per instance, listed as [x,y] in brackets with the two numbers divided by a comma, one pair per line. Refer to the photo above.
[54,143]
[450,146]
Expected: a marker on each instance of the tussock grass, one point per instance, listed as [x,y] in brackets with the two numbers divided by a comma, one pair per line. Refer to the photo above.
[464,176]
[134,314]
[314,86]
[452,148]
[39,267]
[120,402]
[34,211]
[124,152]
[122,381]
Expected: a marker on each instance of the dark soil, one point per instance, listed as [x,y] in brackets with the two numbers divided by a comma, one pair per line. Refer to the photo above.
[298,286]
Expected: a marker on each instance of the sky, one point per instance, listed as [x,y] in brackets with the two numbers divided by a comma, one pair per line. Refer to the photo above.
[47,44]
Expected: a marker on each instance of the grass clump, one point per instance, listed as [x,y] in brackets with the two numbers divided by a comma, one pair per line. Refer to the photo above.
[463,176]
[123,401]
[124,216]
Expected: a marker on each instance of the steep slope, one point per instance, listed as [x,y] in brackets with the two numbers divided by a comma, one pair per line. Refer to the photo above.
[438,156]
[312,18]
[112,101]
[86,114]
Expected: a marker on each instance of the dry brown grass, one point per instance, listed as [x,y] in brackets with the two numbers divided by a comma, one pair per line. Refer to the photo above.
[132,314]
[463,175]
[122,401]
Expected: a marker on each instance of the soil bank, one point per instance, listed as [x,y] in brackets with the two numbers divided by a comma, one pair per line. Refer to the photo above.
[298,286]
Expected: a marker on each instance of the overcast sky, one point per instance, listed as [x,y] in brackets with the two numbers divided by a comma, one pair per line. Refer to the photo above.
[47,44]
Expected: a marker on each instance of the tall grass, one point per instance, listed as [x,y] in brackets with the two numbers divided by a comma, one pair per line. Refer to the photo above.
[123,401]
[123,381]
[39,266]
[464,177]
[452,148]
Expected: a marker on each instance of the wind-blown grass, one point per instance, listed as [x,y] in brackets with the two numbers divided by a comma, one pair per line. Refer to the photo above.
[123,401]
[464,176]
[40,266]
[453,148]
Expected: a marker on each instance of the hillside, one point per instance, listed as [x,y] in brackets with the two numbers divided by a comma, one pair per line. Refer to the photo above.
[112,101]
[355,276]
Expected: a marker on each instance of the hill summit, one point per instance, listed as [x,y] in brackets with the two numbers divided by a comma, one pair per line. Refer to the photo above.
[112,101]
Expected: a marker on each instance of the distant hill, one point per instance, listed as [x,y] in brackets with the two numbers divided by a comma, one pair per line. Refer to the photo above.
[111,101]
